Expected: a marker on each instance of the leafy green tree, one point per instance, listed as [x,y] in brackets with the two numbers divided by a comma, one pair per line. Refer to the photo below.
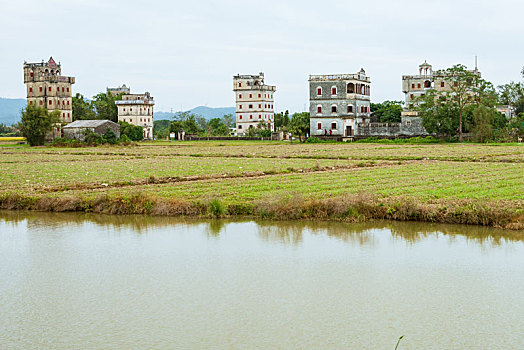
[217,128]
[201,122]
[110,137]
[438,117]
[36,123]
[189,122]
[387,111]
[105,106]
[229,120]
[133,132]
[82,109]
[281,120]
[299,124]
[483,118]
[512,94]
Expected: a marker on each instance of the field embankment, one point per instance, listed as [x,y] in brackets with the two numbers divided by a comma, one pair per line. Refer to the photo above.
[448,183]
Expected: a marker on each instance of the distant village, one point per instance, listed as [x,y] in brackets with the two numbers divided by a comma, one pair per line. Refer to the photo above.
[339,104]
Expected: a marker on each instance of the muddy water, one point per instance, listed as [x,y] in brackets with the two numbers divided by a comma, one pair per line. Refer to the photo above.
[99,282]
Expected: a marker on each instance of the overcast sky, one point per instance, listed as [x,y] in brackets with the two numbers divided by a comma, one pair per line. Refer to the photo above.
[186,52]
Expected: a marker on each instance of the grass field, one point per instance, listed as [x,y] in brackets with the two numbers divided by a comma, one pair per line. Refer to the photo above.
[466,183]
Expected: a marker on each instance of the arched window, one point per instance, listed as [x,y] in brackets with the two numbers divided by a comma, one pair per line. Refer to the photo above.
[350,109]
[427,84]
[333,90]
[319,126]
[351,88]
[319,109]
[363,89]
[333,108]
[319,91]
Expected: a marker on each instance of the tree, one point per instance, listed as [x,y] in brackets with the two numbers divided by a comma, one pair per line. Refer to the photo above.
[438,117]
[228,120]
[281,120]
[105,106]
[512,94]
[133,132]
[461,85]
[483,118]
[189,124]
[110,137]
[387,111]
[216,127]
[299,124]
[82,109]
[36,123]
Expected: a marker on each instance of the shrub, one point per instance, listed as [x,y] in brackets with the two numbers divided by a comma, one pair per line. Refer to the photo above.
[216,208]
[110,137]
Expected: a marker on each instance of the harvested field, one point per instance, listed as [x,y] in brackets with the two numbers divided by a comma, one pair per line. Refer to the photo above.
[466,183]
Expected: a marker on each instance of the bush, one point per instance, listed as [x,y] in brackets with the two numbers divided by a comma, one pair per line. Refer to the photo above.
[93,139]
[124,140]
[110,137]
[412,140]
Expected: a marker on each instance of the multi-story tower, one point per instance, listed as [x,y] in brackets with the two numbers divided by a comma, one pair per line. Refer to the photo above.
[137,109]
[415,86]
[119,90]
[46,87]
[254,102]
[338,103]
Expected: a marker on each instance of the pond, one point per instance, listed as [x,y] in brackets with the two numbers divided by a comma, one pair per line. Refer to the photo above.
[92,281]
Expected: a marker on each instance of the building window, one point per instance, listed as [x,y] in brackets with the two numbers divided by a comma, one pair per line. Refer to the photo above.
[319,109]
[50,89]
[442,84]
[250,117]
[319,91]
[58,89]
[333,125]
[319,126]
[239,106]
[334,90]
[250,95]
[30,102]
[67,89]
[50,102]
[240,126]
[31,90]
[411,96]
[31,74]
[250,106]
[350,109]
[259,106]
[259,95]
[240,117]
[40,89]
[259,116]
[240,96]
[412,86]
[334,109]
[418,86]
[239,84]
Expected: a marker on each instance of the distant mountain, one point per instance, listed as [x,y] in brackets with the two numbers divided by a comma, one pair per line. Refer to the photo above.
[10,110]
[206,112]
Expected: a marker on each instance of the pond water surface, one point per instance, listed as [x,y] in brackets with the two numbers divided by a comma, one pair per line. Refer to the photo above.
[77,281]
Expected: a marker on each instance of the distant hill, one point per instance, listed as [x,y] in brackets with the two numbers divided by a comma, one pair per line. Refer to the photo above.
[10,110]
[206,112]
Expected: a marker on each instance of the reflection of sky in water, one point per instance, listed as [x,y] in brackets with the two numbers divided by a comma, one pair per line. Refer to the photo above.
[93,281]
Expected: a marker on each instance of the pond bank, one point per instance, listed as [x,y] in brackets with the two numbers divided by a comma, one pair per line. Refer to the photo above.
[351,208]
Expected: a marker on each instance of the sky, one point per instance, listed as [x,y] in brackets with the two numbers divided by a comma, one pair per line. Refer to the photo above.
[186,52]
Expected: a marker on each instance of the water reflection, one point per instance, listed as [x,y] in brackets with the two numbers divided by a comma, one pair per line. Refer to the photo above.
[286,232]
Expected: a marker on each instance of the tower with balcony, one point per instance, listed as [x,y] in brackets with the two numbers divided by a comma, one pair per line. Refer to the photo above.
[137,109]
[254,103]
[47,87]
[338,103]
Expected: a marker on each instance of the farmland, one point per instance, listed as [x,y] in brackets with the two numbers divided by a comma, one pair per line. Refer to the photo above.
[464,183]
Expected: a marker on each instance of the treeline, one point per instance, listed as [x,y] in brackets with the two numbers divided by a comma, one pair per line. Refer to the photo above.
[102,106]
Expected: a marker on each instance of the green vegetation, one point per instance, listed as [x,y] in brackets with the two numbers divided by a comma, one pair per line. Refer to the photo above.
[387,111]
[453,183]
[36,123]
